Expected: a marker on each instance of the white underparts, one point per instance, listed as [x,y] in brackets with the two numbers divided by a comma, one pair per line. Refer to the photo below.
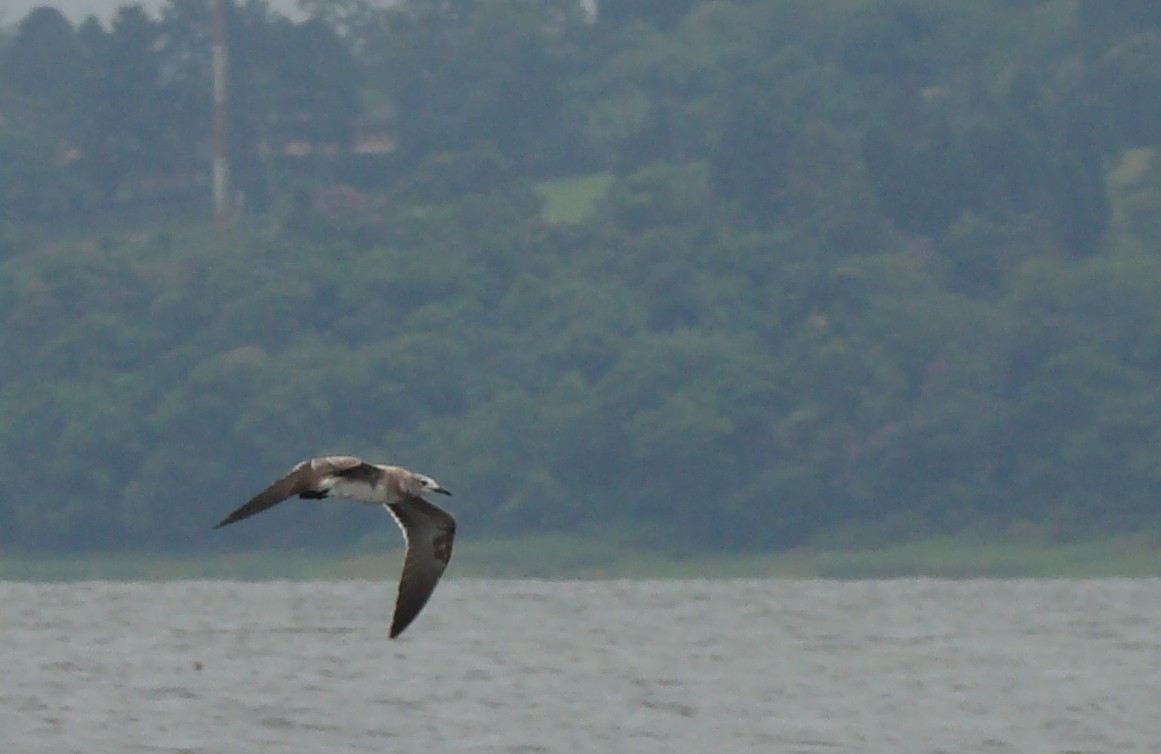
[355,490]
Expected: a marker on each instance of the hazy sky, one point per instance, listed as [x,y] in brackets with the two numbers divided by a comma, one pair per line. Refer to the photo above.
[11,11]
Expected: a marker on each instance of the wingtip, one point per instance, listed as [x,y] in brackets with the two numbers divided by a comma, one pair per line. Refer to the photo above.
[397,629]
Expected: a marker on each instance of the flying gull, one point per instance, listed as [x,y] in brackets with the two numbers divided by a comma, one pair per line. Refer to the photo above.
[427,528]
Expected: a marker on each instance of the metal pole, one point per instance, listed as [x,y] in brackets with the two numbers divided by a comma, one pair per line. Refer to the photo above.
[221,165]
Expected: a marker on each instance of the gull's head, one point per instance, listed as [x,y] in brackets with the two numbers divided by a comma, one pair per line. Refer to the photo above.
[427,484]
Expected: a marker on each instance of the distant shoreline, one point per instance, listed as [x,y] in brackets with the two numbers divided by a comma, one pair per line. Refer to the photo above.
[568,557]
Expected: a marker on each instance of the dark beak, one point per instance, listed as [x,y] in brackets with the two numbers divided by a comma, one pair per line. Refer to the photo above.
[441,491]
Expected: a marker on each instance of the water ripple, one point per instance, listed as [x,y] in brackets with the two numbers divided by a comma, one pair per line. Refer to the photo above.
[916,665]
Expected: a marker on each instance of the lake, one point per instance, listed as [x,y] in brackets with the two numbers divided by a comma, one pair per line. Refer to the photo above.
[895,666]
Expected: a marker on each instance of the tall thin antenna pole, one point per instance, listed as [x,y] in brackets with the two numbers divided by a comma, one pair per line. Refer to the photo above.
[221,165]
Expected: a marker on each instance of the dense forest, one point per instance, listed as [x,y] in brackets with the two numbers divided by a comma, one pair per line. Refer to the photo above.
[743,273]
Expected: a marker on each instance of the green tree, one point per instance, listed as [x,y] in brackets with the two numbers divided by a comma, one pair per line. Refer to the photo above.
[663,13]
[1127,85]
[34,186]
[317,85]
[122,133]
[43,63]
[462,73]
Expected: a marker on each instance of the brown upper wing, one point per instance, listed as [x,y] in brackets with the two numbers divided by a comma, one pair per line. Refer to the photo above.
[430,531]
[301,478]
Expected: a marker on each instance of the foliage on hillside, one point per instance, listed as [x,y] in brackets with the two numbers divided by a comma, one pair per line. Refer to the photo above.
[863,268]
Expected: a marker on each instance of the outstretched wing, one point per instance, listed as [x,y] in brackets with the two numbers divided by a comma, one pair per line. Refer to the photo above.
[304,477]
[429,531]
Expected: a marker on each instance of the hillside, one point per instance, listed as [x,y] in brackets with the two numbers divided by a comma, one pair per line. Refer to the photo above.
[740,274]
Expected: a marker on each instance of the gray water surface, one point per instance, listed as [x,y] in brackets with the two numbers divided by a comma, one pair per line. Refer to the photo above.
[615,666]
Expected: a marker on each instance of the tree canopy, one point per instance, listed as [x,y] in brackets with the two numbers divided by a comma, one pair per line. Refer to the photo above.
[863,269]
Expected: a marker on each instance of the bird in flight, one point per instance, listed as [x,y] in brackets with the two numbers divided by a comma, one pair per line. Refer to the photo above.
[427,529]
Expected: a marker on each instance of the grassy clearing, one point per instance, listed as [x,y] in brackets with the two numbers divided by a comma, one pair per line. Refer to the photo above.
[572,557]
[1134,164]
[572,200]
